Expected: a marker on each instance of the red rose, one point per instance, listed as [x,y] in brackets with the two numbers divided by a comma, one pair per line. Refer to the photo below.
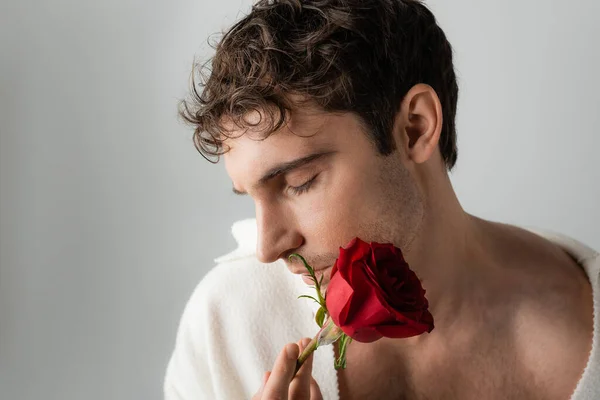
[373,293]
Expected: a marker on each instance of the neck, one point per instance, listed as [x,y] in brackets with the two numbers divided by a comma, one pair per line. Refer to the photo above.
[445,252]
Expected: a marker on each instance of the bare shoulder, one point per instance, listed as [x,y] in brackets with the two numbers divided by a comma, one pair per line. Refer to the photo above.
[554,275]
[553,321]
[552,286]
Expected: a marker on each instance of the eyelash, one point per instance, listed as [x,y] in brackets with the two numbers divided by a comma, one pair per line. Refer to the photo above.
[298,190]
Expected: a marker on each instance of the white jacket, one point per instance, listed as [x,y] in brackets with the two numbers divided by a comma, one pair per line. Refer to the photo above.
[243,312]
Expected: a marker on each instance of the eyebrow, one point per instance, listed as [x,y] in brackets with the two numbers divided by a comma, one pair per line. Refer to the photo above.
[284,168]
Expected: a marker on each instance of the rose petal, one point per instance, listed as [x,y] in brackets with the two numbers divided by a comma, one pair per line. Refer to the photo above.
[363,334]
[357,250]
[367,305]
[400,331]
[373,293]
[339,294]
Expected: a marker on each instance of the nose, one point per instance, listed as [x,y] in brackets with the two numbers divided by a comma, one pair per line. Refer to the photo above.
[277,233]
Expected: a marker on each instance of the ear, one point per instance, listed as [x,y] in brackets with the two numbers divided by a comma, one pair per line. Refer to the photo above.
[418,123]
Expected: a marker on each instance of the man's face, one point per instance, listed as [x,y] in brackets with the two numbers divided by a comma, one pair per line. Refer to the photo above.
[343,188]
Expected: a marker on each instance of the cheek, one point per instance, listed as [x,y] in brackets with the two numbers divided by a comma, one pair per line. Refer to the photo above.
[340,210]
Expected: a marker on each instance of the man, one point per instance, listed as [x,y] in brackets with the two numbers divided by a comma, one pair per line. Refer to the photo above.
[337,118]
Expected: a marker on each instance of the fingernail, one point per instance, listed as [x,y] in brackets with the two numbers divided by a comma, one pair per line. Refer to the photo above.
[291,351]
[305,342]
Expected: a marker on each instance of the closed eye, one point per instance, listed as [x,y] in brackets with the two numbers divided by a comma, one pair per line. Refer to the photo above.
[298,190]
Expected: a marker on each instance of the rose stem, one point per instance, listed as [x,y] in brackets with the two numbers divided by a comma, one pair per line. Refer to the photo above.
[308,350]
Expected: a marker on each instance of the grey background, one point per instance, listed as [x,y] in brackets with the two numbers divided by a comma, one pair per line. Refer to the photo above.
[109,217]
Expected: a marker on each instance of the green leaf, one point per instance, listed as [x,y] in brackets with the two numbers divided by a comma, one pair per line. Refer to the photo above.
[320,317]
[340,364]
[343,343]
[311,272]
[309,297]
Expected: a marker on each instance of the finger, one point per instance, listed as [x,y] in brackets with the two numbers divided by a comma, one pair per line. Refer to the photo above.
[315,391]
[258,395]
[264,381]
[302,343]
[300,386]
[277,386]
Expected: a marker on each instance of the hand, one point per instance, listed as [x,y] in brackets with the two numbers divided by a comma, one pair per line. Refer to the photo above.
[281,384]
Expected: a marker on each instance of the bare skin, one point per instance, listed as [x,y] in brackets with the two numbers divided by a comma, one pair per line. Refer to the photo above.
[281,384]
[525,335]
[513,312]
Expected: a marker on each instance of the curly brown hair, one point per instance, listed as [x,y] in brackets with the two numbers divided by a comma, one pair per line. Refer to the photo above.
[358,56]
